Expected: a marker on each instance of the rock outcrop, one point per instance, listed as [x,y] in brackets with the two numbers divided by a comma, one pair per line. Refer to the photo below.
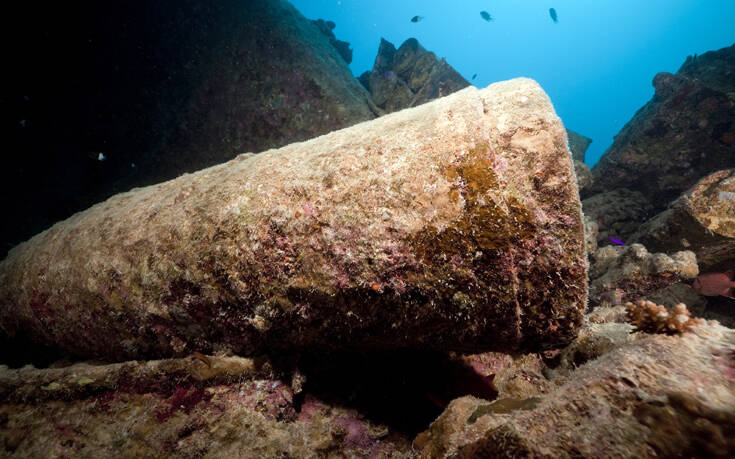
[684,133]
[701,220]
[159,90]
[621,274]
[425,228]
[614,394]
[578,145]
[618,213]
[409,76]
[342,47]
[583,173]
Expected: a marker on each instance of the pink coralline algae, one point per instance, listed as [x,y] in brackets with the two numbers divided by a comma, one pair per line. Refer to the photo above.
[310,210]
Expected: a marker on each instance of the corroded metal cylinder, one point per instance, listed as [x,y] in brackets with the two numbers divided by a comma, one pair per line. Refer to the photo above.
[455,225]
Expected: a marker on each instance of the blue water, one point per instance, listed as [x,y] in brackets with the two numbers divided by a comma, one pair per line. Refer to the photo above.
[596,64]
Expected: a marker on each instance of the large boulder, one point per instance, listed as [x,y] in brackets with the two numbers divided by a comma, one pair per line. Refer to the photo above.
[151,91]
[614,394]
[453,225]
[684,133]
[701,220]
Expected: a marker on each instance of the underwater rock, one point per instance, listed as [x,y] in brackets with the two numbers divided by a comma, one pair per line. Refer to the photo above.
[623,394]
[410,76]
[619,274]
[591,228]
[455,225]
[685,132]
[701,220]
[163,90]
[578,145]
[583,173]
[234,407]
[342,47]
[681,293]
[618,213]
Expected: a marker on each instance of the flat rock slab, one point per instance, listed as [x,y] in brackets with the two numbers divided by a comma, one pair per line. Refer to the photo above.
[624,395]
[230,407]
[455,225]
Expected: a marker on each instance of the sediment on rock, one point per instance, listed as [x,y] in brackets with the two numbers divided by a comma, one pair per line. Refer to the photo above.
[455,225]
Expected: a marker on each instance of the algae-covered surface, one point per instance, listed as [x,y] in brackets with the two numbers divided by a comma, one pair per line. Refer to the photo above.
[455,225]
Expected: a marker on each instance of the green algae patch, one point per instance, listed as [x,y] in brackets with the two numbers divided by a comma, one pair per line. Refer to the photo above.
[54,386]
[503,406]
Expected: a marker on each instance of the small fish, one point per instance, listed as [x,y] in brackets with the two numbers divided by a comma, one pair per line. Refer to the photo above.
[203,358]
[617,241]
[388,74]
[101,157]
[554,17]
[474,76]
[486,16]
[715,284]
[417,18]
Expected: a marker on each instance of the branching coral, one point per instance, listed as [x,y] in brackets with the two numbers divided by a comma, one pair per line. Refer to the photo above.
[650,317]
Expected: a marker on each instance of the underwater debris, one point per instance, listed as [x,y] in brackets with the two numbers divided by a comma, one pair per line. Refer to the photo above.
[650,317]
[229,266]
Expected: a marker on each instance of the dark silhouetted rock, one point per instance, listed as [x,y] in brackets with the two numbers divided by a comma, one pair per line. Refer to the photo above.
[685,132]
[342,47]
[410,76]
[578,145]
[618,213]
[159,89]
